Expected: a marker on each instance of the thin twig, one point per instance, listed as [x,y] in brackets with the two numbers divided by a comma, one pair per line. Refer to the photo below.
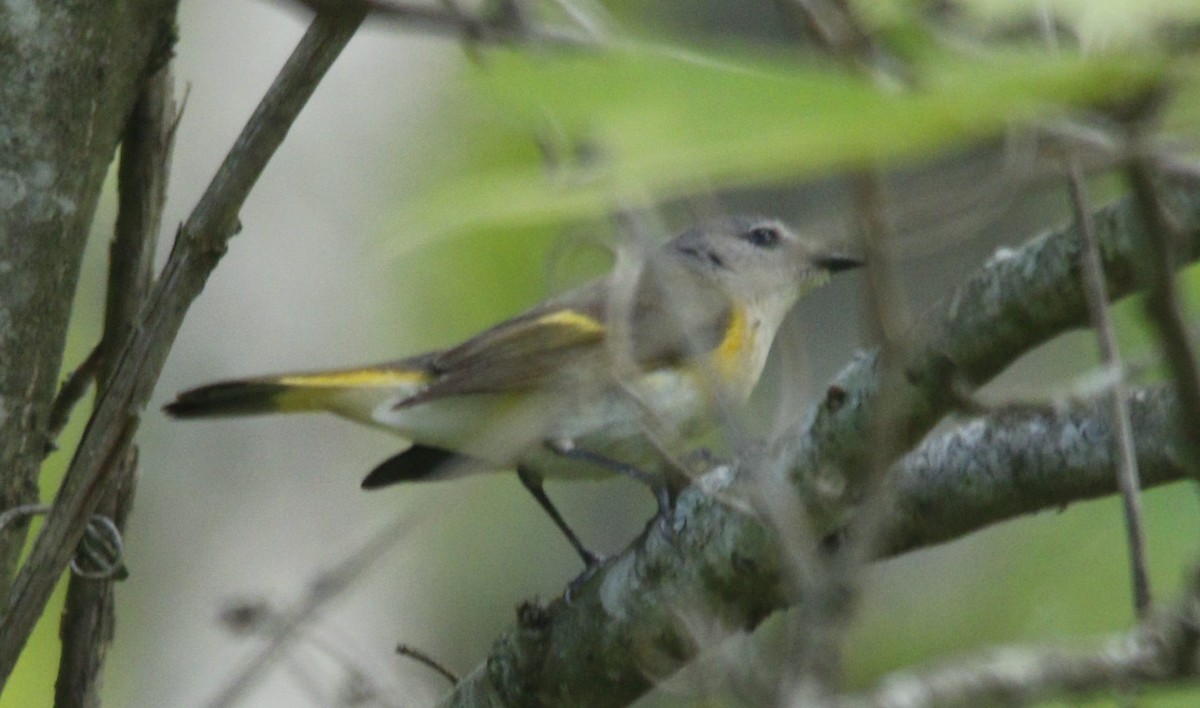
[837,29]
[595,23]
[69,394]
[887,320]
[826,609]
[324,589]
[827,604]
[422,657]
[447,20]
[1162,297]
[818,18]
[1110,359]
[198,247]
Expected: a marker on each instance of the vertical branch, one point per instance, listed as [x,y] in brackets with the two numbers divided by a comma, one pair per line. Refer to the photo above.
[826,608]
[87,624]
[201,242]
[886,437]
[828,591]
[1125,455]
[67,81]
[1162,297]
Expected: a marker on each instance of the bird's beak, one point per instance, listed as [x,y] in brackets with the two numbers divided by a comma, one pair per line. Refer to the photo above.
[835,262]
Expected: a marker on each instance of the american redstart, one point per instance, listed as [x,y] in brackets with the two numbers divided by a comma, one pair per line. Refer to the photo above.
[584,385]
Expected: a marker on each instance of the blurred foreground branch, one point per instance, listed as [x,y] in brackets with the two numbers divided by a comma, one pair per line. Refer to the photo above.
[624,629]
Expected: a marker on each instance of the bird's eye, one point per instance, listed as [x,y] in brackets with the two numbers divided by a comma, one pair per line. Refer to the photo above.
[763,237]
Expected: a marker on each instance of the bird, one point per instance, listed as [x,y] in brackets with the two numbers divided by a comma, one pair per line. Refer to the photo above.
[584,385]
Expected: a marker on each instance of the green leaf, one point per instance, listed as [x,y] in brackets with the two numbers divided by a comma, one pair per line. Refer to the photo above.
[630,127]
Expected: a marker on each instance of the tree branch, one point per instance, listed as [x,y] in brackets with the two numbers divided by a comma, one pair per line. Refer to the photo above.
[325,588]
[1161,649]
[198,247]
[623,629]
[1016,462]
[1162,303]
[1092,273]
[87,624]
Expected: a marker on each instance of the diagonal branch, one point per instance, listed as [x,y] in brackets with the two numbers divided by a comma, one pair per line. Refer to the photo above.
[623,629]
[327,587]
[198,247]
[1163,648]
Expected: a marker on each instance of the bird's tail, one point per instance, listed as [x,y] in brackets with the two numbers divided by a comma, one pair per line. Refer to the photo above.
[245,397]
[349,392]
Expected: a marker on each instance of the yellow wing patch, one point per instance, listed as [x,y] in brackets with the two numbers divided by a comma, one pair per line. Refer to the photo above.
[573,319]
[356,378]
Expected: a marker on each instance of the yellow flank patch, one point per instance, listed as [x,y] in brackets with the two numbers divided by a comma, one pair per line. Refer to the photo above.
[573,319]
[356,378]
[729,357]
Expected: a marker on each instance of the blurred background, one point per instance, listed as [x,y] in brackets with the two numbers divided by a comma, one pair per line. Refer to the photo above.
[332,270]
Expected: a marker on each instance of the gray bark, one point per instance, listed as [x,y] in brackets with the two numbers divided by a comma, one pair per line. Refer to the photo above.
[70,71]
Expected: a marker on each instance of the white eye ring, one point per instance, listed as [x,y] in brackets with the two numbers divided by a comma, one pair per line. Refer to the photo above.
[763,236]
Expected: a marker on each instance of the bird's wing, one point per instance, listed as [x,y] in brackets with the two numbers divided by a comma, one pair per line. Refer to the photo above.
[559,339]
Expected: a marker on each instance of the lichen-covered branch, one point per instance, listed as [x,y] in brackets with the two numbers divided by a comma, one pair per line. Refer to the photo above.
[1021,298]
[623,629]
[1017,462]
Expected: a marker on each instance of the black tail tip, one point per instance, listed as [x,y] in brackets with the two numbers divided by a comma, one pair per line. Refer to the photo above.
[181,408]
[227,398]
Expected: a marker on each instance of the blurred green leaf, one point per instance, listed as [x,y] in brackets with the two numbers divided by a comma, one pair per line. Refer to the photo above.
[625,127]
[1097,22]
[1182,117]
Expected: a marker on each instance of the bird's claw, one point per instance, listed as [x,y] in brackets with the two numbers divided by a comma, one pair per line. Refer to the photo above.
[592,564]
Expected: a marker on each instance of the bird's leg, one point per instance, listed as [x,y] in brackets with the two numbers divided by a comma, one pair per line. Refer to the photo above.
[533,482]
[662,491]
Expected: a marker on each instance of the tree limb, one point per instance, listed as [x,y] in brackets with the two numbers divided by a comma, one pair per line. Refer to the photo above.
[198,247]
[994,468]
[1162,649]
[623,629]
[1162,303]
